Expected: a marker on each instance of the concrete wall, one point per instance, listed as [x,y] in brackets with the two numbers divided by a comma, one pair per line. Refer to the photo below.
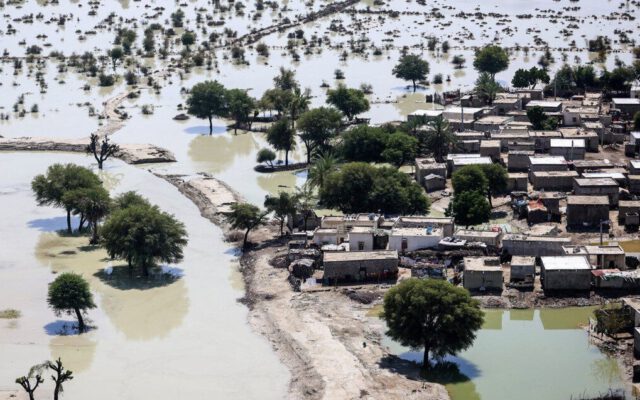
[357,269]
[365,238]
[566,279]
[489,280]
[414,242]
[562,183]
[534,248]
[520,272]
[578,214]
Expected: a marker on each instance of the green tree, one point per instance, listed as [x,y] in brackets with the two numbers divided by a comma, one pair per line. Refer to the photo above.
[458,61]
[188,39]
[306,202]
[491,59]
[240,106]
[282,205]
[101,149]
[350,102]
[298,103]
[363,143]
[432,314]
[497,178]
[143,236]
[245,216]
[411,68]
[69,293]
[282,137]
[470,208]
[51,187]
[129,199]
[400,148]
[322,166]
[277,99]
[317,127]
[206,100]
[469,178]
[286,80]
[521,78]
[529,77]
[360,187]
[437,139]
[266,156]
[487,88]
[92,203]
[116,54]
[540,120]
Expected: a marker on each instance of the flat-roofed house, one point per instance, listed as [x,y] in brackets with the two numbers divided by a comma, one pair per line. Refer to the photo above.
[587,210]
[628,106]
[482,273]
[565,273]
[561,181]
[534,246]
[523,268]
[597,187]
[416,221]
[547,106]
[360,265]
[570,149]
[411,239]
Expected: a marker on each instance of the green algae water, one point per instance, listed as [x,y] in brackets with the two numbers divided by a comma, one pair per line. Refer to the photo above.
[528,355]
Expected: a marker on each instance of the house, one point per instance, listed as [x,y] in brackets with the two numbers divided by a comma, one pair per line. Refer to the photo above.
[542,139]
[628,208]
[561,181]
[634,167]
[504,105]
[444,223]
[424,116]
[360,265]
[591,165]
[597,187]
[617,174]
[491,123]
[459,162]
[324,236]
[547,163]
[511,135]
[570,149]
[490,148]
[633,183]
[628,106]
[469,114]
[547,106]
[565,273]
[519,160]
[433,182]
[361,238]
[523,268]
[600,256]
[429,166]
[517,182]
[482,273]
[534,246]
[587,210]
[591,139]
[490,238]
[411,239]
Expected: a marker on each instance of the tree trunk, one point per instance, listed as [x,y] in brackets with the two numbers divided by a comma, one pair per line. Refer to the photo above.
[489,198]
[80,320]
[414,85]
[145,269]
[308,154]
[94,235]
[246,237]
[100,161]
[81,224]
[286,157]
[210,126]
[56,390]
[425,358]
[281,226]
[69,231]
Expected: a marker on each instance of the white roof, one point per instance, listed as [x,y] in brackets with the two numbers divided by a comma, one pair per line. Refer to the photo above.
[579,143]
[460,156]
[635,134]
[546,160]
[566,262]
[466,110]
[612,175]
[427,113]
[543,103]
[414,232]
[472,161]
[626,101]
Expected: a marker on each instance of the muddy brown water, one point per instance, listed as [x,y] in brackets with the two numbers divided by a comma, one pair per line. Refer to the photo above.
[170,337]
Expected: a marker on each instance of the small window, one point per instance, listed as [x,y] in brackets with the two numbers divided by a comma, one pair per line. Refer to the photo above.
[360,246]
[404,244]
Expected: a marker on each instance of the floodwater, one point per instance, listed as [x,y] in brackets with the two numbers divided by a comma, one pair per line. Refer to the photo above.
[529,355]
[178,335]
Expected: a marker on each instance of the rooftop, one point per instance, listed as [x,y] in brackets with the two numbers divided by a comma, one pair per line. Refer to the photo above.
[566,263]
[606,250]
[415,232]
[471,232]
[547,160]
[523,260]
[360,255]
[568,143]
[482,264]
[588,200]
[626,101]
[544,104]
[520,237]
[586,182]
[472,161]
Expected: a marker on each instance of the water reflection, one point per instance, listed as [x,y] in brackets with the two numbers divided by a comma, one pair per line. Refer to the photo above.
[517,350]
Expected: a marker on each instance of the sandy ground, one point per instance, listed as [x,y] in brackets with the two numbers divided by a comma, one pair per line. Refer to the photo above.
[326,340]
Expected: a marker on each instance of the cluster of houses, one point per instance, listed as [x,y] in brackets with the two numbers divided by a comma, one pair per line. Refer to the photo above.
[553,177]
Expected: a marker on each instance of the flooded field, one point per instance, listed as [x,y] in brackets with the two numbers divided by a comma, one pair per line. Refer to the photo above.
[181,334]
[529,355]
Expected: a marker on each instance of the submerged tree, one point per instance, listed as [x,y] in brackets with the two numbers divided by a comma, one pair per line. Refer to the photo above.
[282,137]
[432,314]
[245,216]
[411,68]
[61,376]
[317,127]
[491,59]
[207,100]
[25,382]
[350,102]
[69,293]
[101,149]
[60,179]
[240,107]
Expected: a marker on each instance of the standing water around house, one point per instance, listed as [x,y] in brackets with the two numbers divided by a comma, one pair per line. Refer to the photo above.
[529,355]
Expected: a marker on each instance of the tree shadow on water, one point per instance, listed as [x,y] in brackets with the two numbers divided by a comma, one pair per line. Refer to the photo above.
[124,278]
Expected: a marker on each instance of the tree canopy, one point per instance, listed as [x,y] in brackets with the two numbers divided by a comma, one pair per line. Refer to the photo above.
[411,68]
[468,179]
[317,127]
[437,139]
[540,120]
[360,187]
[247,217]
[470,208]
[60,179]
[207,100]
[529,77]
[282,137]
[240,107]
[92,203]
[487,88]
[144,235]
[282,205]
[432,314]
[491,59]
[69,293]
[350,102]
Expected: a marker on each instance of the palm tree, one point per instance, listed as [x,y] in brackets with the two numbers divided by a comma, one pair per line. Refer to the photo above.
[299,103]
[438,138]
[322,166]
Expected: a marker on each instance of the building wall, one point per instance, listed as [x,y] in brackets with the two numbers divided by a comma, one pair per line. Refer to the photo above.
[365,238]
[566,279]
[533,248]
[592,214]
[475,280]
[414,242]
[352,269]
[322,239]
[612,191]
[552,182]
[520,272]
[577,153]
